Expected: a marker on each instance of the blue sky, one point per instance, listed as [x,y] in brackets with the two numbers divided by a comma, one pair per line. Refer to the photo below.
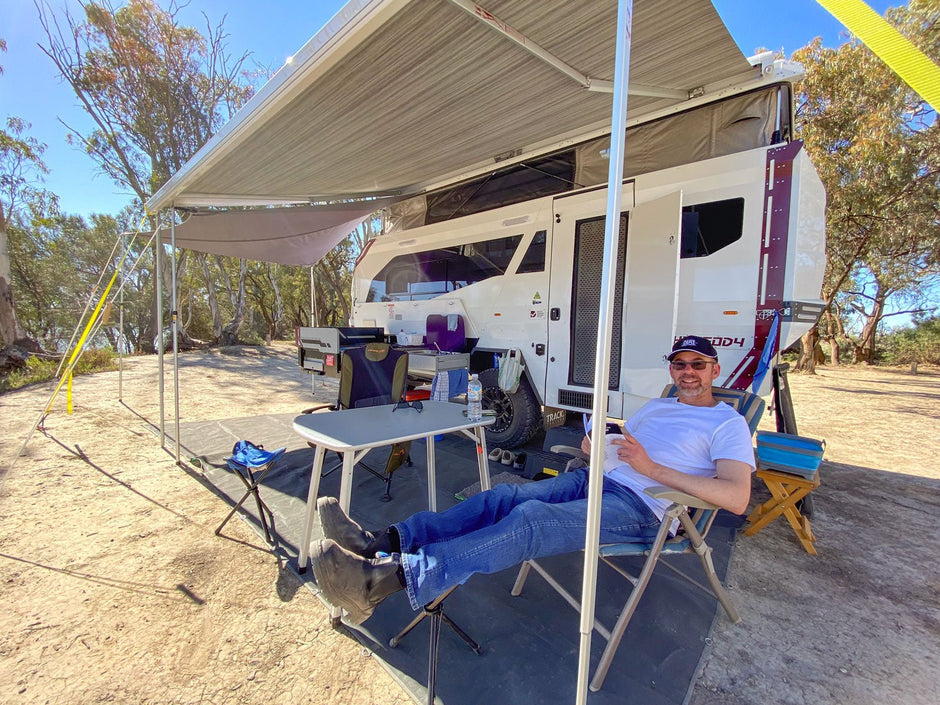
[273,30]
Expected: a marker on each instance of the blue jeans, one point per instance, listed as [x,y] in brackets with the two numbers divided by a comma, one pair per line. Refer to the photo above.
[509,524]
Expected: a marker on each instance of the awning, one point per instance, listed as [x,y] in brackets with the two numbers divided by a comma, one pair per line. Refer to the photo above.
[394,97]
[297,235]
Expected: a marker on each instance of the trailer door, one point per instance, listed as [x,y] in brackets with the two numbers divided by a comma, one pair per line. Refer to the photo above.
[646,273]
[651,300]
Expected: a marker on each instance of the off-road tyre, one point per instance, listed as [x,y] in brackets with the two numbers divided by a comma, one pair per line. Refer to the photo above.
[518,415]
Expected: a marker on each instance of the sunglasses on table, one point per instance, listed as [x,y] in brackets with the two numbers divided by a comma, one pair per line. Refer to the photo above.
[699,365]
[416,405]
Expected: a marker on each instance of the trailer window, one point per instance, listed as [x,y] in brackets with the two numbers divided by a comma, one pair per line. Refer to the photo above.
[534,258]
[709,227]
[543,176]
[424,275]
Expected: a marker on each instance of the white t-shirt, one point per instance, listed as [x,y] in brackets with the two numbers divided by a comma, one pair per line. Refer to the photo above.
[686,438]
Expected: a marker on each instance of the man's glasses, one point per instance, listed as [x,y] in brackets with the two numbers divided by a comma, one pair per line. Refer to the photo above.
[416,405]
[698,365]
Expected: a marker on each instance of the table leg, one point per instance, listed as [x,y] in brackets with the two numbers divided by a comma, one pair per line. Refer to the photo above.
[345,487]
[303,553]
[482,458]
[432,475]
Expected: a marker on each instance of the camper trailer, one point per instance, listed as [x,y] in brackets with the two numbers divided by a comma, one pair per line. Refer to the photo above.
[721,235]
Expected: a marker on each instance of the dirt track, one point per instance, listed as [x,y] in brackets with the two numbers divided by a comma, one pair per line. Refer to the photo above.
[118,590]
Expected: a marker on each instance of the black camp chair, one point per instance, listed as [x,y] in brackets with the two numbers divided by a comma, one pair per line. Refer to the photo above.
[373,375]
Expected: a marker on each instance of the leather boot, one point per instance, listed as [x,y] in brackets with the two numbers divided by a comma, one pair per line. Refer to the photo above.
[339,527]
[352,582]
[385,542]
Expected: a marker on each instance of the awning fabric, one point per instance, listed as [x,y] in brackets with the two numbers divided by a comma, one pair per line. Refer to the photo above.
[396,97]
[298,235]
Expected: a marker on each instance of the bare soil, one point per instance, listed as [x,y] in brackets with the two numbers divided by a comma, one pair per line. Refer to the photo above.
[117,590]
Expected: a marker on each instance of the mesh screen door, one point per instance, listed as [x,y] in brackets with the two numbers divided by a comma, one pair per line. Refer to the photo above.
[586,297]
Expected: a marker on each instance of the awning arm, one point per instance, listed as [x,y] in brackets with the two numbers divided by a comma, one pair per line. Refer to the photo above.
[587,82]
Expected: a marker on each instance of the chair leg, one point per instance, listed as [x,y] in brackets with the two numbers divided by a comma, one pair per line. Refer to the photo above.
[435,610]
[434,641]
[520,579]
[786,495]
[616,634]
[232,512]
[252,485]
[428,610]
[709,567]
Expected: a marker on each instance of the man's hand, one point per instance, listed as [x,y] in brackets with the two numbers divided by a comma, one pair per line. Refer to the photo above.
[631,451]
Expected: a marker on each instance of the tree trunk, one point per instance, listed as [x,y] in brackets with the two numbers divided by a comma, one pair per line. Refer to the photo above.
[10,329]
[808,349]
[865,349]
[834,351]
[278,313]
[337,287]
[211,296]
[231,329]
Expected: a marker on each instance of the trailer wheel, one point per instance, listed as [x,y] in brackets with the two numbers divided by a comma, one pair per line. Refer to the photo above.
[518,415]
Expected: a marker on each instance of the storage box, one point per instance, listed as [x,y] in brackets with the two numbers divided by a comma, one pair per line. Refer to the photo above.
[797,455]
[410,338]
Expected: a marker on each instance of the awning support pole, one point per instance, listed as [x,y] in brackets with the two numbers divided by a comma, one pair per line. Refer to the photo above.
[120,337]
[174,324]
[158,286]
[602,360]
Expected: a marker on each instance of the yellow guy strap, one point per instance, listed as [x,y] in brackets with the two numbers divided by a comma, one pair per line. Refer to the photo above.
[67,375]
[889,45]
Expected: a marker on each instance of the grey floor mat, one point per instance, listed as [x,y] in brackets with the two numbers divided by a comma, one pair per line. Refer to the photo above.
[530,643]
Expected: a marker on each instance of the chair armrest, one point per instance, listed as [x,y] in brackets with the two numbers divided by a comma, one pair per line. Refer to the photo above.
[678,497]
[320,407]
[569,450]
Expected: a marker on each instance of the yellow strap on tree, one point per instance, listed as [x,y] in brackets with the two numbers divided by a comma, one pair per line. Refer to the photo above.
[913,66]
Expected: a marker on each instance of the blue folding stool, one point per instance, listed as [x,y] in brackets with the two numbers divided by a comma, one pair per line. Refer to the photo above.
[251,463]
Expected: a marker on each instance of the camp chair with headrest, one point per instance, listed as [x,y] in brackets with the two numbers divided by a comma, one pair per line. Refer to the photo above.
[373,375]
[251,463]
[689,539]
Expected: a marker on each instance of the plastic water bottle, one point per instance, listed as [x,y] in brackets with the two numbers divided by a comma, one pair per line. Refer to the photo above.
[474,399]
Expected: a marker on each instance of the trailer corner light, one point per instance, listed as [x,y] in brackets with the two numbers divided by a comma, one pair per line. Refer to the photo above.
[730,313]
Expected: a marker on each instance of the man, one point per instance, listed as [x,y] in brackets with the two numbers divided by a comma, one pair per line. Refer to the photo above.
[692,443]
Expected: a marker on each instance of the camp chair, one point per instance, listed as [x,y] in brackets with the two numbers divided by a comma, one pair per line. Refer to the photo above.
[689,539]
[372,375]
[251,463]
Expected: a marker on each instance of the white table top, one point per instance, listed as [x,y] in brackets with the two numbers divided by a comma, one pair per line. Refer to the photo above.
[367,427]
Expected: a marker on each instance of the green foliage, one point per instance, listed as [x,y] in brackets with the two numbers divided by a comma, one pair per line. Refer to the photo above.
[43,370]
[876,145]
[919,344]
[156,90]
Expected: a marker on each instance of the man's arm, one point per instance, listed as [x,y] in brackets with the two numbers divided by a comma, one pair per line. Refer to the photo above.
[730,488]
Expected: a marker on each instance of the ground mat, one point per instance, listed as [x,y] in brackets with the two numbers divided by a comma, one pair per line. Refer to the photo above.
[530,642]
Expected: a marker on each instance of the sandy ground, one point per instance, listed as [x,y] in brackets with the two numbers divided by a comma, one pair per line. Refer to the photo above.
[117,590]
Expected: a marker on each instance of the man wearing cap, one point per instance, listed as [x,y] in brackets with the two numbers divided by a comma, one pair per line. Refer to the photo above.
[691,442]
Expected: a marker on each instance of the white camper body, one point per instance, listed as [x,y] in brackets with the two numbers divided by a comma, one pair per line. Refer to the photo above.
[730,247]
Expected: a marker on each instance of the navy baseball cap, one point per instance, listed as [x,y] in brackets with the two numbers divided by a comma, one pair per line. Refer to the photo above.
[693,343]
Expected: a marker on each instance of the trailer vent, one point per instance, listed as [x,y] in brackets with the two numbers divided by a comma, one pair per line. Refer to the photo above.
[579,400]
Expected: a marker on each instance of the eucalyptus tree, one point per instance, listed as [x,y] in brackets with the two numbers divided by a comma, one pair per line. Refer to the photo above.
[155,91]
[876,146]
[21,167]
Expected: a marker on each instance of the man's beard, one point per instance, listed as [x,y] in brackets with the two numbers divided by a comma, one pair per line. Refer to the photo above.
[691,392]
